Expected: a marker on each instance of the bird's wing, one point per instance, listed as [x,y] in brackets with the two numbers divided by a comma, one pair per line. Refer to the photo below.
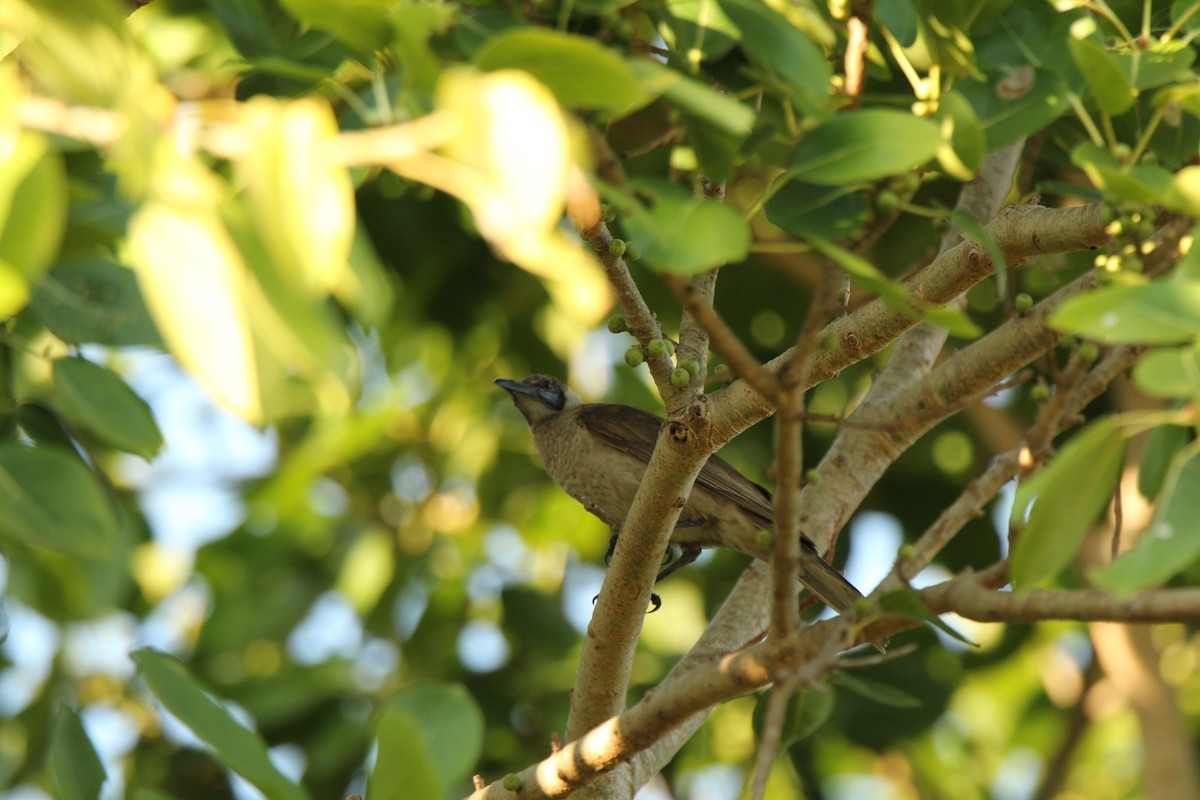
[635,432]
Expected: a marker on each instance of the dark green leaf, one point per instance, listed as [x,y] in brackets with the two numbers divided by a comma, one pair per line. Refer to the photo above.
[236,746]
[580,72]
[1016,103]
[1108,82]
[863,146]
[51,499]
[805,208]
[94,301]
[1162,444]
[1151,313]
[1169,372]
[1066,497]
[876,692]
[695,98]
[778,47]
[907,603]
[97,399]
[248,26]
[680,232]
[74,766]
[894,294]
[900,18]
[1171,543]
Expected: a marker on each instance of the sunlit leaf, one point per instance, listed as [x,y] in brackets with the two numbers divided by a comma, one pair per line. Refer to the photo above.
[1066,497]
[863,146]
[193,279]
[1169,372]
[1171,542]
[579,71]
[1110,87]
[301,201]
[699,30]
[1151,313]
[100,401]
[778,47]
[51,499]
[33,206]
[680,232]
[963,142]
[235,745]
[362,24]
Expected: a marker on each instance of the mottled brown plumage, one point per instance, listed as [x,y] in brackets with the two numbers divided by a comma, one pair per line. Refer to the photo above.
[598,452]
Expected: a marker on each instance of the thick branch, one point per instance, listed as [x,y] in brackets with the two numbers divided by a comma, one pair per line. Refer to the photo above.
[1021,232]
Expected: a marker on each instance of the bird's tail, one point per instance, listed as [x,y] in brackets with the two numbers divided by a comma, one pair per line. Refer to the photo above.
[828,584]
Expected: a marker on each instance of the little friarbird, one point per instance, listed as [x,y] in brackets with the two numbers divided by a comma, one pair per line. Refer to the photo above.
[598,453]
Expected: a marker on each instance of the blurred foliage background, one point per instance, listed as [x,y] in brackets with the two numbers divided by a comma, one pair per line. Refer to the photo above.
[247,426]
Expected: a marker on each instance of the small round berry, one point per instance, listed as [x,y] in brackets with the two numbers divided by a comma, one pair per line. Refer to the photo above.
[680,378]
[616,247]
[634,356]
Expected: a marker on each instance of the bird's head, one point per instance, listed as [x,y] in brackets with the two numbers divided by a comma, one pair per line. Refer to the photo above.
[539,397]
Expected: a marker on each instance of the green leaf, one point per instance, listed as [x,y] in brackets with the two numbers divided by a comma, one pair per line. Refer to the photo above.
[694,98]
[1151,313]
[1169,372]
[876,692]
[1153,185]
[717,125]
[94,301]
[33,205]
[1162,444]
[1015,103]
[1171,543]
[864,146]
[775,45]
[1066,497]
[51,499]
[97,399]
[907,603]
[361,25]
[900,18]
[430,737]
[237,747]
[580,72]
[699,30]
[963,142]
[74,767]
[1108,82]
[682,233]
[801,209]
[404,766]
[1162,62]
[894,294]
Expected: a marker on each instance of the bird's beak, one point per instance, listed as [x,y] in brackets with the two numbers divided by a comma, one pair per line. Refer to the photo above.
[516,387]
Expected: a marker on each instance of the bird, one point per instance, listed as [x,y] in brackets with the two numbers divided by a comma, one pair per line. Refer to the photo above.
[598,452]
